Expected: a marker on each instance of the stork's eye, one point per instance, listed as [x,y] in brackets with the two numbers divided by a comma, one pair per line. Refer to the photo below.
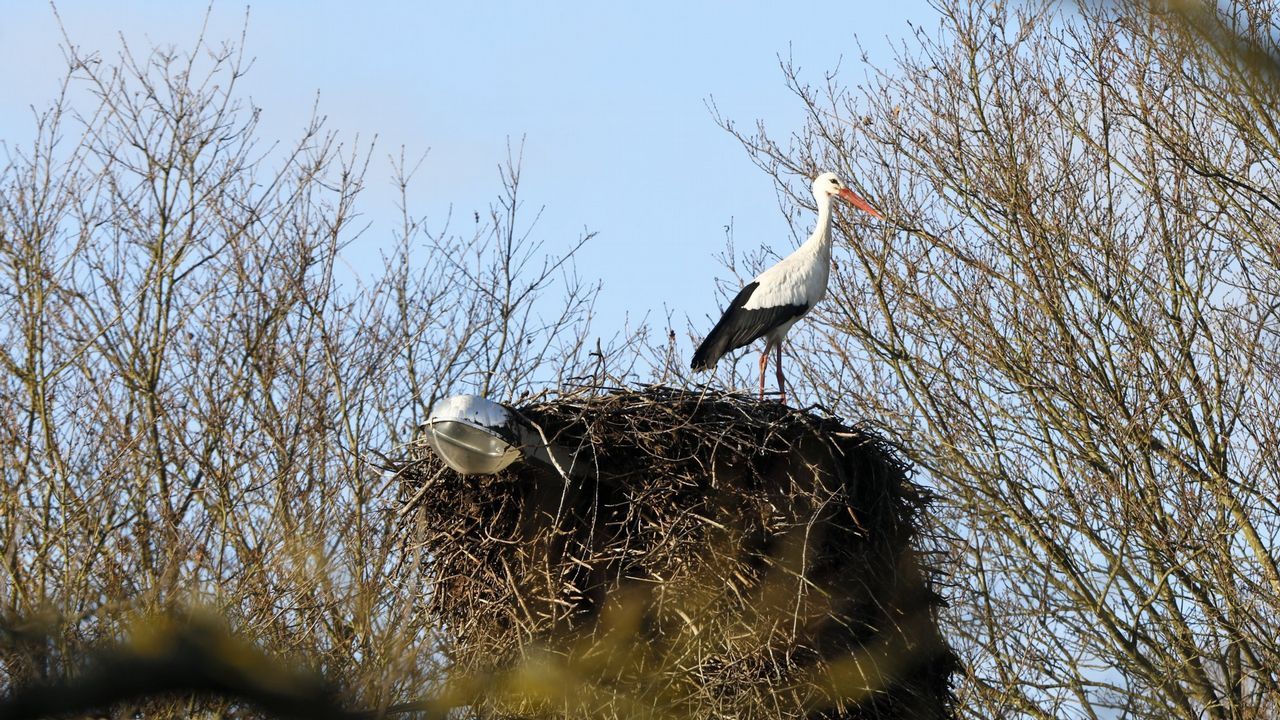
[835,181]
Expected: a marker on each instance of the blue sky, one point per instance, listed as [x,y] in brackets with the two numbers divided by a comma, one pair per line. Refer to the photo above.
[609,96]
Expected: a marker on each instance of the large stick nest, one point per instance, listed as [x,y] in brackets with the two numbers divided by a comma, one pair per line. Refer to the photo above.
[722,557]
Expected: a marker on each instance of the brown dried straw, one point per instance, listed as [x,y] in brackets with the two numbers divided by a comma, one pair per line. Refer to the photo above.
[719,557]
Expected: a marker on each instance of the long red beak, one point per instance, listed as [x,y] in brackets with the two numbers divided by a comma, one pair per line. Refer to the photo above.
[859,203]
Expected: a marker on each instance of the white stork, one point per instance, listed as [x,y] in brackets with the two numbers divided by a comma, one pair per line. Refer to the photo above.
[769,305]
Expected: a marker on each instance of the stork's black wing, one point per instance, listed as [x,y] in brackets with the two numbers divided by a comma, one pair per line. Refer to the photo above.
[740,326]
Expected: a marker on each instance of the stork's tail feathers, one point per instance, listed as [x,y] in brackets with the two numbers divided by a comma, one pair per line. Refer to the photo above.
[712,348]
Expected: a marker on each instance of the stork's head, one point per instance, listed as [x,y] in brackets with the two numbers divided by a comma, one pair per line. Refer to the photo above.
[829,185]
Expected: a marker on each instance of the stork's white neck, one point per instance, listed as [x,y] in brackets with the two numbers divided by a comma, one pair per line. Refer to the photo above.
[820,240]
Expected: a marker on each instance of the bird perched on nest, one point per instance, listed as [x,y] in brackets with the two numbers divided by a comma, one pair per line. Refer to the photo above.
[769,305]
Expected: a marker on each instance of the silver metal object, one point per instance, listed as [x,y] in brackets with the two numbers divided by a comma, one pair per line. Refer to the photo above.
[473,435]
[477,436]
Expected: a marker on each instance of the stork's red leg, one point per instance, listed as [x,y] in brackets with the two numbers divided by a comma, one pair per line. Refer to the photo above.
[782,381]
[764,363]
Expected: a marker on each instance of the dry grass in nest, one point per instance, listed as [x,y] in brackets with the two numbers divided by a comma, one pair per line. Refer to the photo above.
[723,557]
